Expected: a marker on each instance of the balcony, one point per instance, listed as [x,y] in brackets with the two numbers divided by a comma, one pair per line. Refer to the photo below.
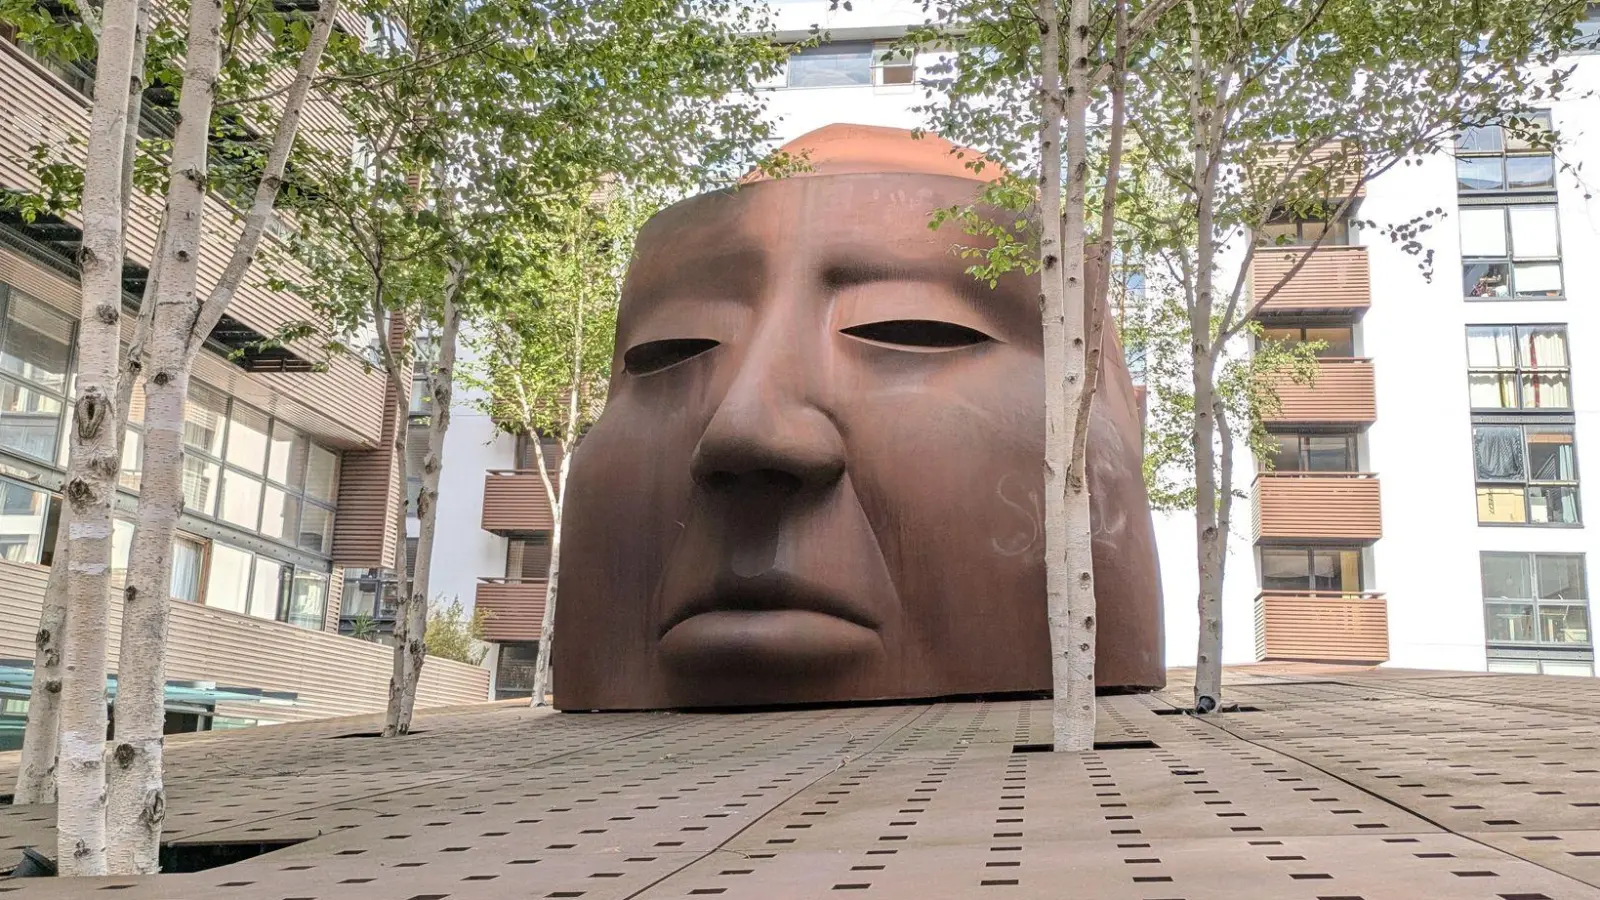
[1330,169]
[1333,279]
[514,608]
[1342,394]
[1321,506]
[1322,626]
[514,503]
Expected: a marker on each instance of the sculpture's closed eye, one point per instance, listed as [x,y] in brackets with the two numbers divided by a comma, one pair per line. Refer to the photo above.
[917,334]
[654,356]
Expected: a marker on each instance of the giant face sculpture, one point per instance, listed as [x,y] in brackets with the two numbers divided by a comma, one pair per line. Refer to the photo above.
[819,477]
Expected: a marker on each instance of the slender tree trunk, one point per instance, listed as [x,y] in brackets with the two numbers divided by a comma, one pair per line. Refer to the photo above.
[36,776]
[136,801]
[557,494]
[400,677]
[441,384]
[93,460]
[1208,544]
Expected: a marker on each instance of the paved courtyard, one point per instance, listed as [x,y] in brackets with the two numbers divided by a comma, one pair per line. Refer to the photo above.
[1333,784]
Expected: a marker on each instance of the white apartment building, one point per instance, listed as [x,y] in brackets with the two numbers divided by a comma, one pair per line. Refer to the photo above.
[1426,506]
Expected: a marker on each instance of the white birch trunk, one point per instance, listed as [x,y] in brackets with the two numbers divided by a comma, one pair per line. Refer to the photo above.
[399,705]
[1208,547]
[36,774]
[441,385]
[93,460]
[136,800]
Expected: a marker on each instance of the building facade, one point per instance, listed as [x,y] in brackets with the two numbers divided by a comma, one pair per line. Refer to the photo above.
[288,483]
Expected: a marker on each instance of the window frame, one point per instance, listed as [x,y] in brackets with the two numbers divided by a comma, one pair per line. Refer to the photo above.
[1512,258]
[1517,370]
[1303,451]
[1310,551]
[1537,601]
[1527,483]
[62,396]
[1503,155]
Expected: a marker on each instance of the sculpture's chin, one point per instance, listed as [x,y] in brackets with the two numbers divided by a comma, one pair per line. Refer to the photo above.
[791,643]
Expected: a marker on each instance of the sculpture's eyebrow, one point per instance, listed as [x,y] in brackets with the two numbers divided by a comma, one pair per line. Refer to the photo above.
[950,271]
[727,271]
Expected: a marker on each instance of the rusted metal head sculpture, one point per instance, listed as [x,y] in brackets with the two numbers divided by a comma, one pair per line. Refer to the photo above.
[818,477]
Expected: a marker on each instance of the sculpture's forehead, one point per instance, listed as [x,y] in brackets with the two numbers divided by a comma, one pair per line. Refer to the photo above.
[812,228]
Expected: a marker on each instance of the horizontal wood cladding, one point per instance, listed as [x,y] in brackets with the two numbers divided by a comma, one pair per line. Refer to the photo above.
[1333,278]
[1329,168]
[514,502]
[514,608]
[1322,626]
[372,489]
[1344,393]
[332,675]
[340,404]
[1317,505]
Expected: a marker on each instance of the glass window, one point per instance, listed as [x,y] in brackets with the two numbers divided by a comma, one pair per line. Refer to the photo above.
[266,589]
[322,474]
[247,439]
[891,66]
[30,420]
[22,522]
[121,544]
[1310,569]
[228,583]
[1338,341]
[1479,174]
[1518,366]
[316,529]
[280,515]
[1513,157]
[199,485]
[188,555]
[1536,598]
[241,499]
[308,600]
[832,65]
[204,419]
[1510,251]
[1527,474]
[287,464]
[1314,453]
[37,343]
[132,459]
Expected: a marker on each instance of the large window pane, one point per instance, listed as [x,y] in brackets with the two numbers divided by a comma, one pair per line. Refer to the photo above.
[1336,570]
[1479,174]
[1286,453]
[1542,346]
[1509,622]
[832,65]
[1502,505]
[199,485]
[1561,576]
[1497,453]
[1329,453]
[1568,624]
[1551,454]
[1285,570]
[1480,139]
[228,585]
[121,544]
[1553,505]
[1492,279]
[308,600]
[280,515]
[203,419]
[1483,232]
[1533,232]
[29,420]
[247,439]
[1492,390]
[1531,132]
[1550,391]
[1341,342]
[1508,575]
[241,499]
[1530,172]
[322,474]
[187,556]
[288,461]
[132,459]
[316,529]
[37,343]
[1538,279]
[266,590]
[22,515]
[1491,346]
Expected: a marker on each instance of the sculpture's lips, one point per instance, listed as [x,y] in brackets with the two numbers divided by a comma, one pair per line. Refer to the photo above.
[769,592]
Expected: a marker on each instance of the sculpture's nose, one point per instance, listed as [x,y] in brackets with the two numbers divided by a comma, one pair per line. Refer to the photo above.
[765,431]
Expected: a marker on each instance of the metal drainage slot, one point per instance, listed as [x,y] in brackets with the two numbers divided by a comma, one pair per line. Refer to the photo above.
[1180,711]
[1098,745]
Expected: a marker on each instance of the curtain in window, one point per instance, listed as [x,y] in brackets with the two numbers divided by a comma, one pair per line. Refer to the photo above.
[1497,453]
[186,557]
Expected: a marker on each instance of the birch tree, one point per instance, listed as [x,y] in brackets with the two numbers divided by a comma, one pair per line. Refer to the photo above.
[1266,108]
[93,459]
[526,101]
[545,357]
[1019,83]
